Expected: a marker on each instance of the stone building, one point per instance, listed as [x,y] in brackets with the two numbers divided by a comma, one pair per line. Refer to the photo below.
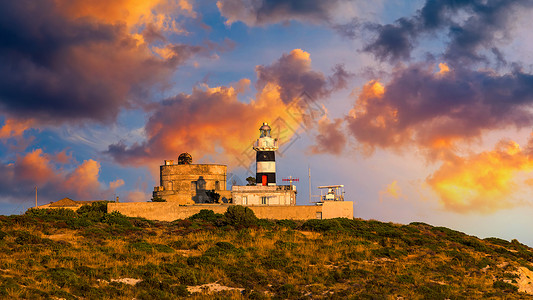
[188,183]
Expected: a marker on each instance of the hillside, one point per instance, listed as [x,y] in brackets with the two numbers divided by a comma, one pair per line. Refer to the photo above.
[90,254]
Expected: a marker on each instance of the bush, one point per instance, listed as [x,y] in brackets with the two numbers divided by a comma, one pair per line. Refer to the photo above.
[240,216]
[117,219]
[51,214]
[94,211]
[501,285]
[158,199]
[322,225]
[206,215]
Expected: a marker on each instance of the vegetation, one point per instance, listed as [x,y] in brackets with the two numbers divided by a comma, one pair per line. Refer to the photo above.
[158,199]
[214,197]
[52,254]
[250,180]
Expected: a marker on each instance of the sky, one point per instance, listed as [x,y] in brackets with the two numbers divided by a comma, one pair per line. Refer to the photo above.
[422,109]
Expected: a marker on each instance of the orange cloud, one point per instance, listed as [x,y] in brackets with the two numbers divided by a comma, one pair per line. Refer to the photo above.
[133,13]
[90,59]
[113,185]
[213,121]
[209,118]
[15,128]
[83,180]
[54,177]
[34,167]
[483,182]
[443,68]
[391,190]
[436,112]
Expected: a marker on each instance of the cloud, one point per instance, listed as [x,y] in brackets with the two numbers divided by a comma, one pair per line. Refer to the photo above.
[137,196]
[73,61]
[264,12]
[54,176]
[113,185]
[14,128]
[391,190]
[294,76]
[434,111]
[213,121]
[472,26]
[481,183]
[330,138]
[199,123]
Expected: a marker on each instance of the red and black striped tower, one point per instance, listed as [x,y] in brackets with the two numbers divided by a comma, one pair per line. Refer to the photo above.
[265,158]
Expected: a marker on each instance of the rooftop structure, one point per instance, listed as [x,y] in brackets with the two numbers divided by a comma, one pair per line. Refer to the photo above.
[265,192]
[188,183]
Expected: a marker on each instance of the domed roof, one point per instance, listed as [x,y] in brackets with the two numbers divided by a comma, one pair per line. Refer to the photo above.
[184,159]
[265,127]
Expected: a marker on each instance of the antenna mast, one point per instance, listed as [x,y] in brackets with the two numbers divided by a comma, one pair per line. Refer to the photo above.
[35,196]
[309,169]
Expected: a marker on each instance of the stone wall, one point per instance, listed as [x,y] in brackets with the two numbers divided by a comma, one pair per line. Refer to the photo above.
[186,184]
[170,211]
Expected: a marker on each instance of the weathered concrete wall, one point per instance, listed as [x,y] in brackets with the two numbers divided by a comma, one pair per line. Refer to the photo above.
[287,212]
[337,209]
[170,211]
[162,211]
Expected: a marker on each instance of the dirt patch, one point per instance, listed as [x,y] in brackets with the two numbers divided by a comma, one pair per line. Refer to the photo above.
[211,287]
[129,281]
[525,281]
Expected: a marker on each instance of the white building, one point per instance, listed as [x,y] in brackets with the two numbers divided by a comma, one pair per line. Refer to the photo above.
[264,195]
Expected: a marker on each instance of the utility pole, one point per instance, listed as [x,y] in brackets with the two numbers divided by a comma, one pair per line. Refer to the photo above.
[35,196]
[309,183]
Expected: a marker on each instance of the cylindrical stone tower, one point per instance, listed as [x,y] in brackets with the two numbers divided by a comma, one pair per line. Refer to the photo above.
[265,157]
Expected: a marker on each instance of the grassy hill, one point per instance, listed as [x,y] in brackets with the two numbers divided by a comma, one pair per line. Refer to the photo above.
[90,254]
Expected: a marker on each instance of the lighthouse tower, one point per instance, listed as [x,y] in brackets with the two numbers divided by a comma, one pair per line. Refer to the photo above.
[265,157]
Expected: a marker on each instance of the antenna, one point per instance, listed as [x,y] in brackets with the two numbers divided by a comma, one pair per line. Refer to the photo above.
[35,196]
[290,179]
[309,169]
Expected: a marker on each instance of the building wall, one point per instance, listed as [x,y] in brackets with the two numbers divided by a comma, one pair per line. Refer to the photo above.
[186,184]
[337,209]
[264,195]
[170,211]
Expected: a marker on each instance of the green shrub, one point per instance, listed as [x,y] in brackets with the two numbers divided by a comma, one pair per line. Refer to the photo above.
[116,218]
[94,211]
[287,223]
[162,248]
[64,277]
[501,285]
[51,214]
[322,225]
[141,246]
[206,215]
[240,216]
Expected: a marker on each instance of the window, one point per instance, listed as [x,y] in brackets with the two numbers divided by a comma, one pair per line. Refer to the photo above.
[319,215]
[264,200]
[244,200]
[217,185]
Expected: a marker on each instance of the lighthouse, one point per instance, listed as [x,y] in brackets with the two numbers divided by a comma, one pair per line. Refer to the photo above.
[265,146]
